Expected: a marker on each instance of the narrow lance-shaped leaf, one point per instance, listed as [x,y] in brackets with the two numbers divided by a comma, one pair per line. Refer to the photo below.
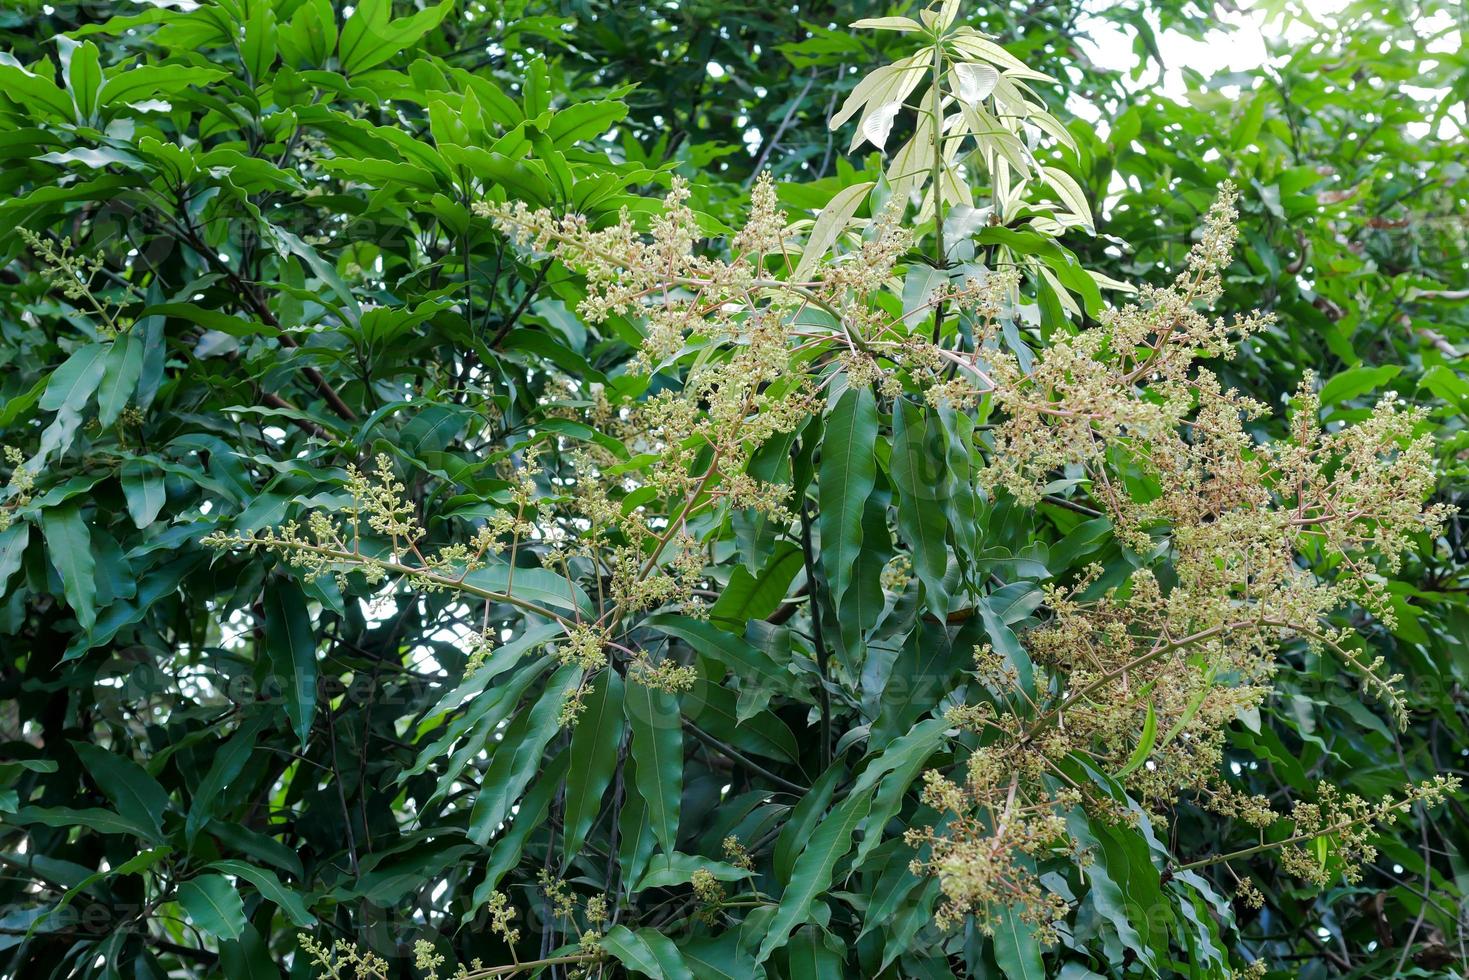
[919,471]
[120,373]
[803,820]
[73,384]
[1016,949]
[829,225]
[213,906]
[142,490]
[69,545]
[530,816]
[810,957]
[291,645]
[848,472]
[516,759]
[1144,743]
[814,870]
[135,793]
[266,882]
[646,952]
[657,745]
[226,765]
[594,747]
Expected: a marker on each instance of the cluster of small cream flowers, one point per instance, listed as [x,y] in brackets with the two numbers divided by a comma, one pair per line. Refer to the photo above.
[73,276]
[982,855]
[1332,836]
[1191,492]
[22,483]
[1217,521]
[660,275]
[344,961]
[566,905]
[502,914]
[736,854]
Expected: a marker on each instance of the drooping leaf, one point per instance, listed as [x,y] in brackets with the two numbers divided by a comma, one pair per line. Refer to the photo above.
[1016,950]
[69,546]
[814,869]
[269,885]
[646,952]
[848,473]
[136,794]
[121,370]
[656,721]
[518,755]
[291,644]
[919,467]
[593,761]
[213,906]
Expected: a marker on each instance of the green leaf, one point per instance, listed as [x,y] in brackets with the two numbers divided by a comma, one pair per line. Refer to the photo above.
[814,869]
[862,607]
[530,817]
[83,72]
[723,957]
[69,546]
[270,886]
[213,906]
[1144,745]
[72,385]
[136,864]
[227,764]
[290,643]
[140,82]
[742,659]
[919,287]
[1123,885]
[716,710]
[311,36]
[92,818]
[1192,708]
[13,541]
[1357,381]
[678,869]
[893,772]
[142,490]
[919,466]
[1016,950]
[519,755]
[257,52]
[657,745]
[135,793]
[247,958]
[803,820]
[210,319]
[748,597]
[120,374]
[634,832]
[647,952]
[537,585]
[809,956]
[594,750]
[1447,384]
[848,473]
[370,38]
[35,91]
[584,121]
[829,225]
[505,656]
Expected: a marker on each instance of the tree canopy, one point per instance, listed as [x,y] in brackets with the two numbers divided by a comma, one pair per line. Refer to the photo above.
[599,489]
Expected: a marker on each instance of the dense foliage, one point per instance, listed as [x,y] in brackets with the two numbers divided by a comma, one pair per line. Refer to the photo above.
[459,509]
